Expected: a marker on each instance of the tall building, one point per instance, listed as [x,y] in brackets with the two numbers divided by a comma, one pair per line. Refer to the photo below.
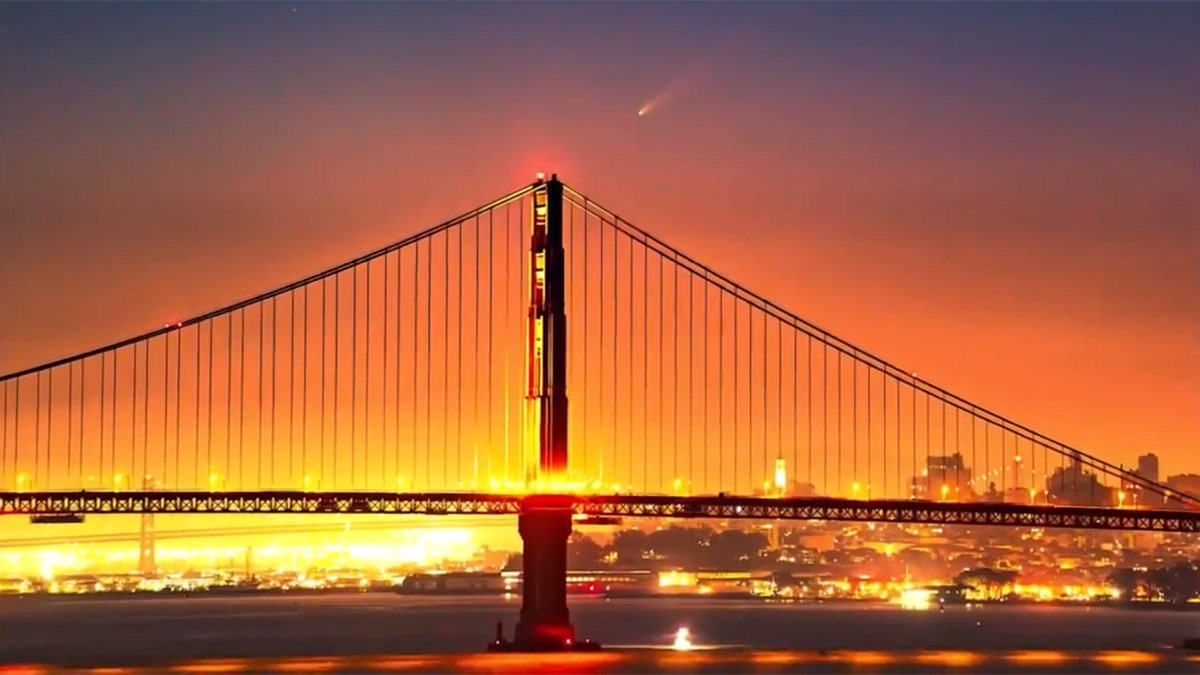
[1148,467]
[945,478]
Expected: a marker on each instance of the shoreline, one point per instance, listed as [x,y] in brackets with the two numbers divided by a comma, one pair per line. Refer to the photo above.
[244,593]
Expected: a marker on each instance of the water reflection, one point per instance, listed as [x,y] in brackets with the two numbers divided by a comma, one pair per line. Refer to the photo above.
[670,660]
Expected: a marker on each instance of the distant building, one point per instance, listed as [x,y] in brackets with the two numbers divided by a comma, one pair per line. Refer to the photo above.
[801,489]
[1071,484]
[1187,483]
[946,477]
[1148,467]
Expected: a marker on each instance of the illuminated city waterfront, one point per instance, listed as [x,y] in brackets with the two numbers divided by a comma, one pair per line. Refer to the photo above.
[810,560]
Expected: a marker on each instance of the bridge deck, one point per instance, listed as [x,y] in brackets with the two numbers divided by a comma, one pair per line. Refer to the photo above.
[639,506]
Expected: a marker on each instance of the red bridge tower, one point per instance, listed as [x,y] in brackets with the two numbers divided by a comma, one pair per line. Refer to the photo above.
[545,519]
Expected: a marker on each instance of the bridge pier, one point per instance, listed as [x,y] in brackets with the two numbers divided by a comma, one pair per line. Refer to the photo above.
[545,619]
[545,524]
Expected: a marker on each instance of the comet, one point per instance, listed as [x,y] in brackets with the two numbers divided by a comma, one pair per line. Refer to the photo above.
[672,91]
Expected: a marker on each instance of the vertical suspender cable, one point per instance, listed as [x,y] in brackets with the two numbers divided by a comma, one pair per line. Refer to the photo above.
[809,397]
[491,372]
[608,435]
[750,345]
[416,346]
[662,323]
[646,368]
[368,334]
[870,421]
[304,386]
[322,443]
[854,417]
[841,476]
[825,416]
[291,371]
[38,478]
[258,413]
[764,397]
[916,467]
[721,379]
[779,396]
[626,478]
[446,361]
[70,422]
[458,375]
[145,417]
[899,450]
[50,430]
[429,365]
[241,409]
[629,356]
[354,374]
[796,402]
[704,378]
[166,397]
[928,431]
[7,424]
[103,414]
[691,369]
[337,360]
[400,351]
[196,414]
[475,349]
[942,397]
[82,417]
[387,330]
[737,386]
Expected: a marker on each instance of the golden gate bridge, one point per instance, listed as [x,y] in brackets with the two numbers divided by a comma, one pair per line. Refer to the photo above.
[430,376]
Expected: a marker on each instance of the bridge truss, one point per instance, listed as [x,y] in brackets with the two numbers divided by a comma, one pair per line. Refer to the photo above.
[609,506]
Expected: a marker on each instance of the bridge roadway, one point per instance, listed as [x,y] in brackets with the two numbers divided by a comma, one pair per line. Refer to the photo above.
[609,505]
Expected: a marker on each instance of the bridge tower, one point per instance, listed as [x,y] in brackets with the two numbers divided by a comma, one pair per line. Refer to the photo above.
[546,349]
[545,520]
[147,566]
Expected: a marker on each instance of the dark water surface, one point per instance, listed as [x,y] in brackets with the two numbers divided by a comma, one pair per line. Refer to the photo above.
[383,632]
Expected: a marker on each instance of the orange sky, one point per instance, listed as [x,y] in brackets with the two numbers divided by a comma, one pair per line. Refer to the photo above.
[1023,234]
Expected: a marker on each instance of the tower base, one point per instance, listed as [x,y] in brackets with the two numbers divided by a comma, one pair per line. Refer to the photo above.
[545,624]
[538,643]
